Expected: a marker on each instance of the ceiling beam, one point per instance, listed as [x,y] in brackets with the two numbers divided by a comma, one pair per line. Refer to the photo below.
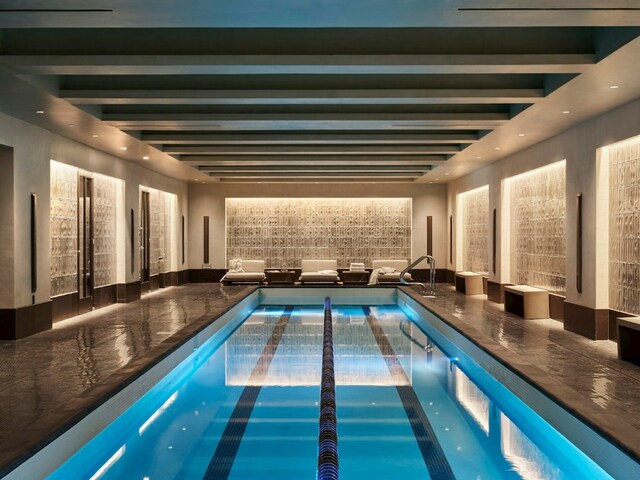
[302,121]
[296,64]
[321,174]
[294,138]
[307,161]
[346,150]
[316,168]
[303,97]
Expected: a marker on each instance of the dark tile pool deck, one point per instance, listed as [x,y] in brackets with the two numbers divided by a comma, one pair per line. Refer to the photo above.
[583,375]
[50,380]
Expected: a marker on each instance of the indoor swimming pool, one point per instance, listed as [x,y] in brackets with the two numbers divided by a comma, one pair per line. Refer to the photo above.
[245,405]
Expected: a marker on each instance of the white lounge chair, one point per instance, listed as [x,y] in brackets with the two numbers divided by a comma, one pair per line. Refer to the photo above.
[253,273]
[319,271]
[392,277]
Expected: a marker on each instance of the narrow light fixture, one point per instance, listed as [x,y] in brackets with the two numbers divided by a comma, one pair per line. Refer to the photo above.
[613,87]
[497,148]
[521,134]
[40,112]
[146,157]
[95,136]
[123,148]
[447,174]
[566,112]
[478,157]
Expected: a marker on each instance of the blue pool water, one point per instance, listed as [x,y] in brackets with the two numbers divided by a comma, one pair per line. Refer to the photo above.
[247,407]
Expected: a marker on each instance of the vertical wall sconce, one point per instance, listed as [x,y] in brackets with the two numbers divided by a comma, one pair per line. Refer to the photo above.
[429,235]
[132,241]
[34,244]
[579,243]
[495,241]
[205,257]
[450,238]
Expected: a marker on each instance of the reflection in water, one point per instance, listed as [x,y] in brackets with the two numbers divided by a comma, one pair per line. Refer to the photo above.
[299,358]
[472,399]
[527,459]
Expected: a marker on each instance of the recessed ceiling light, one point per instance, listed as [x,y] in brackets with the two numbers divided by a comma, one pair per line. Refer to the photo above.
[478,157]
[437,179]
[146,157]
[614,86]
[39,112]
[446,174]
[521,134]
[566,112]
[430,182]
[123,148]
[71,124]
[497,148]
[95,136]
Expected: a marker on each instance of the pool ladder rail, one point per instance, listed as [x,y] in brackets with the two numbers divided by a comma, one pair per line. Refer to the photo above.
[429,291]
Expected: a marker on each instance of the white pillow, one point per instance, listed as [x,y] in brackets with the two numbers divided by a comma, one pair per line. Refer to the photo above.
[235,266]
[387,270]
[328,272]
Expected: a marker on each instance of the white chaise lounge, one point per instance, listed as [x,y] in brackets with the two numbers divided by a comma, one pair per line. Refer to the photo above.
[392,277]
[253,273]
[319,271]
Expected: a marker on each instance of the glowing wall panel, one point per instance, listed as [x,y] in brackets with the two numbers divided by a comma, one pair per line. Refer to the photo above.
[284,231]
[538,228]
[64,229]
[624,226]
[161,216]
[475,230]
[104,226]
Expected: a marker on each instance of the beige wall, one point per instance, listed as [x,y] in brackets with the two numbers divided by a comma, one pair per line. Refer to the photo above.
[579,146]
[34,147]
[210,200]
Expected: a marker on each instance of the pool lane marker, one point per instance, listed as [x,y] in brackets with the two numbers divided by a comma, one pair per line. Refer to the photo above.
[225,454]
[328,468]
[432,453]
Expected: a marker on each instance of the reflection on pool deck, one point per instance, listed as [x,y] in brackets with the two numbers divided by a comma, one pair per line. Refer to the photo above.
[47,379]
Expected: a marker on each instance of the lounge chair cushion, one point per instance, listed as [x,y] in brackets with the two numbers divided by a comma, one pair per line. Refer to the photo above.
[319,271]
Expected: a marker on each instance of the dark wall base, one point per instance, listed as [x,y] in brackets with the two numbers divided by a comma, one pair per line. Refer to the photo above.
[183,277]
[613,330]
[154,282]
[495,291]
[556,307]
[104,296]
[129,292]
[585,321]
[422,275]
[206,275]
[17,323]
[450,277]
[64,306]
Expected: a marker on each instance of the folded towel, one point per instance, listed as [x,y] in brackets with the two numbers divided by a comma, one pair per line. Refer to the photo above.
[328,272]
[235,266]
[356,267]
[373,278]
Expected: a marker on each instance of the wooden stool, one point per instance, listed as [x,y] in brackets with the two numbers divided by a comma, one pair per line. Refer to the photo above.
[469,283]
[629,339]
[526,302]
